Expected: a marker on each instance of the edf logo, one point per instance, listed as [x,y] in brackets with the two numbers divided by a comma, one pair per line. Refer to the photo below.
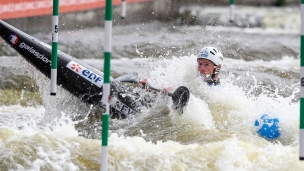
[85,73]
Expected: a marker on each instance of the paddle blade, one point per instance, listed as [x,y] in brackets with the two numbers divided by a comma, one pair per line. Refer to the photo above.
[180,98]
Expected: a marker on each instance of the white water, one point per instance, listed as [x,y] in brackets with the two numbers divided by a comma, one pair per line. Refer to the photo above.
[216,131]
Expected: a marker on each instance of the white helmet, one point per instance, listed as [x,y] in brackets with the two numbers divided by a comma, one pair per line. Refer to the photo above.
[211,54]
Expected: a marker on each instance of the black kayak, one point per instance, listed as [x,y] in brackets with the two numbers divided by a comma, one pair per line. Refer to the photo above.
[80,79]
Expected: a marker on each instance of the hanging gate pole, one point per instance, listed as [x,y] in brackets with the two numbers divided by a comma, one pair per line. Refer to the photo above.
[54,47]
[301,139]
[231,19]
[106,85]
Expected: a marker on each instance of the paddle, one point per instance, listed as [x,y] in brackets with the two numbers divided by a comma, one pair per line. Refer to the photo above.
[180,96]
[133,78]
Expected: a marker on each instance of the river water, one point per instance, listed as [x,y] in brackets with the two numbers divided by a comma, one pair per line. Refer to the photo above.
[260,75]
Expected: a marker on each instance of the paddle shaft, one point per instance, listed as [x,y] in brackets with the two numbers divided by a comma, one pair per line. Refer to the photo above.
[158,90]
[134,78]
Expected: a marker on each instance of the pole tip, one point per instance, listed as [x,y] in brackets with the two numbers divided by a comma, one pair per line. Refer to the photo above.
[301,158]
[53,94]
[122,17]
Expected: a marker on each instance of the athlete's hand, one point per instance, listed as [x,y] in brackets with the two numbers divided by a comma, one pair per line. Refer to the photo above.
[145,85]
[166,90]
[142,83]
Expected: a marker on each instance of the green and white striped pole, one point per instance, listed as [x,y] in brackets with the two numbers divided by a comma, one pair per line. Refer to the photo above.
[54,47]
[231,19]
[106,85]
[301,140]
[123,9]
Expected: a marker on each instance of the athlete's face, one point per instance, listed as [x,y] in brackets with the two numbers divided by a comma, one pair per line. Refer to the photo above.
[205,67]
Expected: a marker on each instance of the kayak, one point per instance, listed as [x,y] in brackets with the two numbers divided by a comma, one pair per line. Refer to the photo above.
[80,79]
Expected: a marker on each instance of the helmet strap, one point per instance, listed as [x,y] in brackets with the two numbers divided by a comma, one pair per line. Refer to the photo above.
[214,73]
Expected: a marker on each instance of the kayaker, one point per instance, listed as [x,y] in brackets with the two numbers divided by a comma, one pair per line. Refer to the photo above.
[209,63]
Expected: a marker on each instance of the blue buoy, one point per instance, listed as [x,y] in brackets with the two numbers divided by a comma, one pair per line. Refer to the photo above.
[268,127]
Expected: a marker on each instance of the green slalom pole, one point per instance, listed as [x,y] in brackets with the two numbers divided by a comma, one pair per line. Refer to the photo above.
[106,85]
[231,19]
[123,9]
[301,139]
[54,47]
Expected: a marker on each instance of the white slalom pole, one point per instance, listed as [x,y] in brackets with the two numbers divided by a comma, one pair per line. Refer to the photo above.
[123,9]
